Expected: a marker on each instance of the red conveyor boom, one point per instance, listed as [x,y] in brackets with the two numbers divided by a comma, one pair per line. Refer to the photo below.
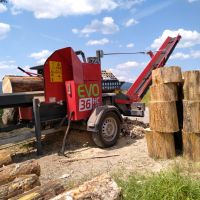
[141,85]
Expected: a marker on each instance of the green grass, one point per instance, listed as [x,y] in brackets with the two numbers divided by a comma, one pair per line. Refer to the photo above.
[171,185]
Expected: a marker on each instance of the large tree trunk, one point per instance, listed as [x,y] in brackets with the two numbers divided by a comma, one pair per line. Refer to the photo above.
[164,92]
[163,116]
[191,116]
[5,158]
[191,87]
[191,146]
[10,172]
[167,75]
[13,84]
[20,185]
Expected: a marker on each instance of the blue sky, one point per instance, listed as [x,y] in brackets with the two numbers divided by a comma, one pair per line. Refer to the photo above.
[31,30]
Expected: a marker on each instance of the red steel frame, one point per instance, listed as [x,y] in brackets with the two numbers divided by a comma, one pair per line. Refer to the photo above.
[136,91]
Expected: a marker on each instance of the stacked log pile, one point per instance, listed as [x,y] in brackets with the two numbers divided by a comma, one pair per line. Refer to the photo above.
[173,110]
[16,179]
[191,115]
[164,121]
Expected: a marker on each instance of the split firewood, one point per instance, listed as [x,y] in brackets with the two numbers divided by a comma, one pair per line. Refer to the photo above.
[100,188]
[44,192]
[10,172]
[191,144]
[163,116]
[5,158]
[18,186]
[167,75]
[191,116]
[164,92]
[191,87]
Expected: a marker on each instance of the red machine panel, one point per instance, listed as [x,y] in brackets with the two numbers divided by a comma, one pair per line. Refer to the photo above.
[83,98]
[91,72]
[63,65]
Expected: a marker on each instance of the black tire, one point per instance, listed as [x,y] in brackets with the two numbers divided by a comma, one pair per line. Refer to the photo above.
[109,131]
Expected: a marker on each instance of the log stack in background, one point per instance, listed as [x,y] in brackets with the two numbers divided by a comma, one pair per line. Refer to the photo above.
[163,112]
[191,115]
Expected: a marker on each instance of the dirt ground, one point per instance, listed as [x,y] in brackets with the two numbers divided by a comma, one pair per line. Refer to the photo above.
[80,163]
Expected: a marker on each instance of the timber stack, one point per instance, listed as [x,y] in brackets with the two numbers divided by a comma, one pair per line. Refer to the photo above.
[164,122]
[191,115]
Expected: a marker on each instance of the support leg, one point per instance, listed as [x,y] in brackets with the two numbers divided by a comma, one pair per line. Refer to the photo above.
[37,126]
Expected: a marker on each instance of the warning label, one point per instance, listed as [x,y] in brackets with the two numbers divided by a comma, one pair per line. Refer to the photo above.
[55,71]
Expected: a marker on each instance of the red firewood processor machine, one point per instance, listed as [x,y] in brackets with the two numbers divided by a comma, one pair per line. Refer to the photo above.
[75,92]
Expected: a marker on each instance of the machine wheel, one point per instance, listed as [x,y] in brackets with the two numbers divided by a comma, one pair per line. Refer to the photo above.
[109,130]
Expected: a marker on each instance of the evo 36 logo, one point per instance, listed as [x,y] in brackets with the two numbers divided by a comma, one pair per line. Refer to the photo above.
[89,96]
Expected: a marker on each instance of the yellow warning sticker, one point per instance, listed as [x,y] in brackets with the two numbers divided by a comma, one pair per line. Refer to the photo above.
[55,71]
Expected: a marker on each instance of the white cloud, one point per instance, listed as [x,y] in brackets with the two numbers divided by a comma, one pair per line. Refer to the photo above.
[3,8]
[10,64]
[41,56]
[129,64]
[128,4]
[51,9]
[131,22]
[75,30]
[192,1]
[106,26]
[179,55]
[122,75]
[4,29]
[189,38]
[183,56]
[130,45]
[98,42]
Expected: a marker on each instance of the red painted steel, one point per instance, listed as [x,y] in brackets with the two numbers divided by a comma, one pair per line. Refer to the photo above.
[141,84]
[63,65]
[25,113]
[83,98]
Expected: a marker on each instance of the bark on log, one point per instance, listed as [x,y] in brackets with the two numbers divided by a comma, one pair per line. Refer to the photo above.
[163,116]
[160,145]
[13,84]
[191,87]
[191,116]
[20,185]
[10,172]
[5,158]
[167,75]
[164,92]
[44,192]
[102,187]
[191,146]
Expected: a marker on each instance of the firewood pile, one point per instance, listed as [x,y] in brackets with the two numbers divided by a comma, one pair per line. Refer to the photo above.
[174,109]
[133,128]
[21,181]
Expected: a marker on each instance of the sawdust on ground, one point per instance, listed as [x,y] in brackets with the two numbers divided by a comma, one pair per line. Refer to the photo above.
[82,156]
